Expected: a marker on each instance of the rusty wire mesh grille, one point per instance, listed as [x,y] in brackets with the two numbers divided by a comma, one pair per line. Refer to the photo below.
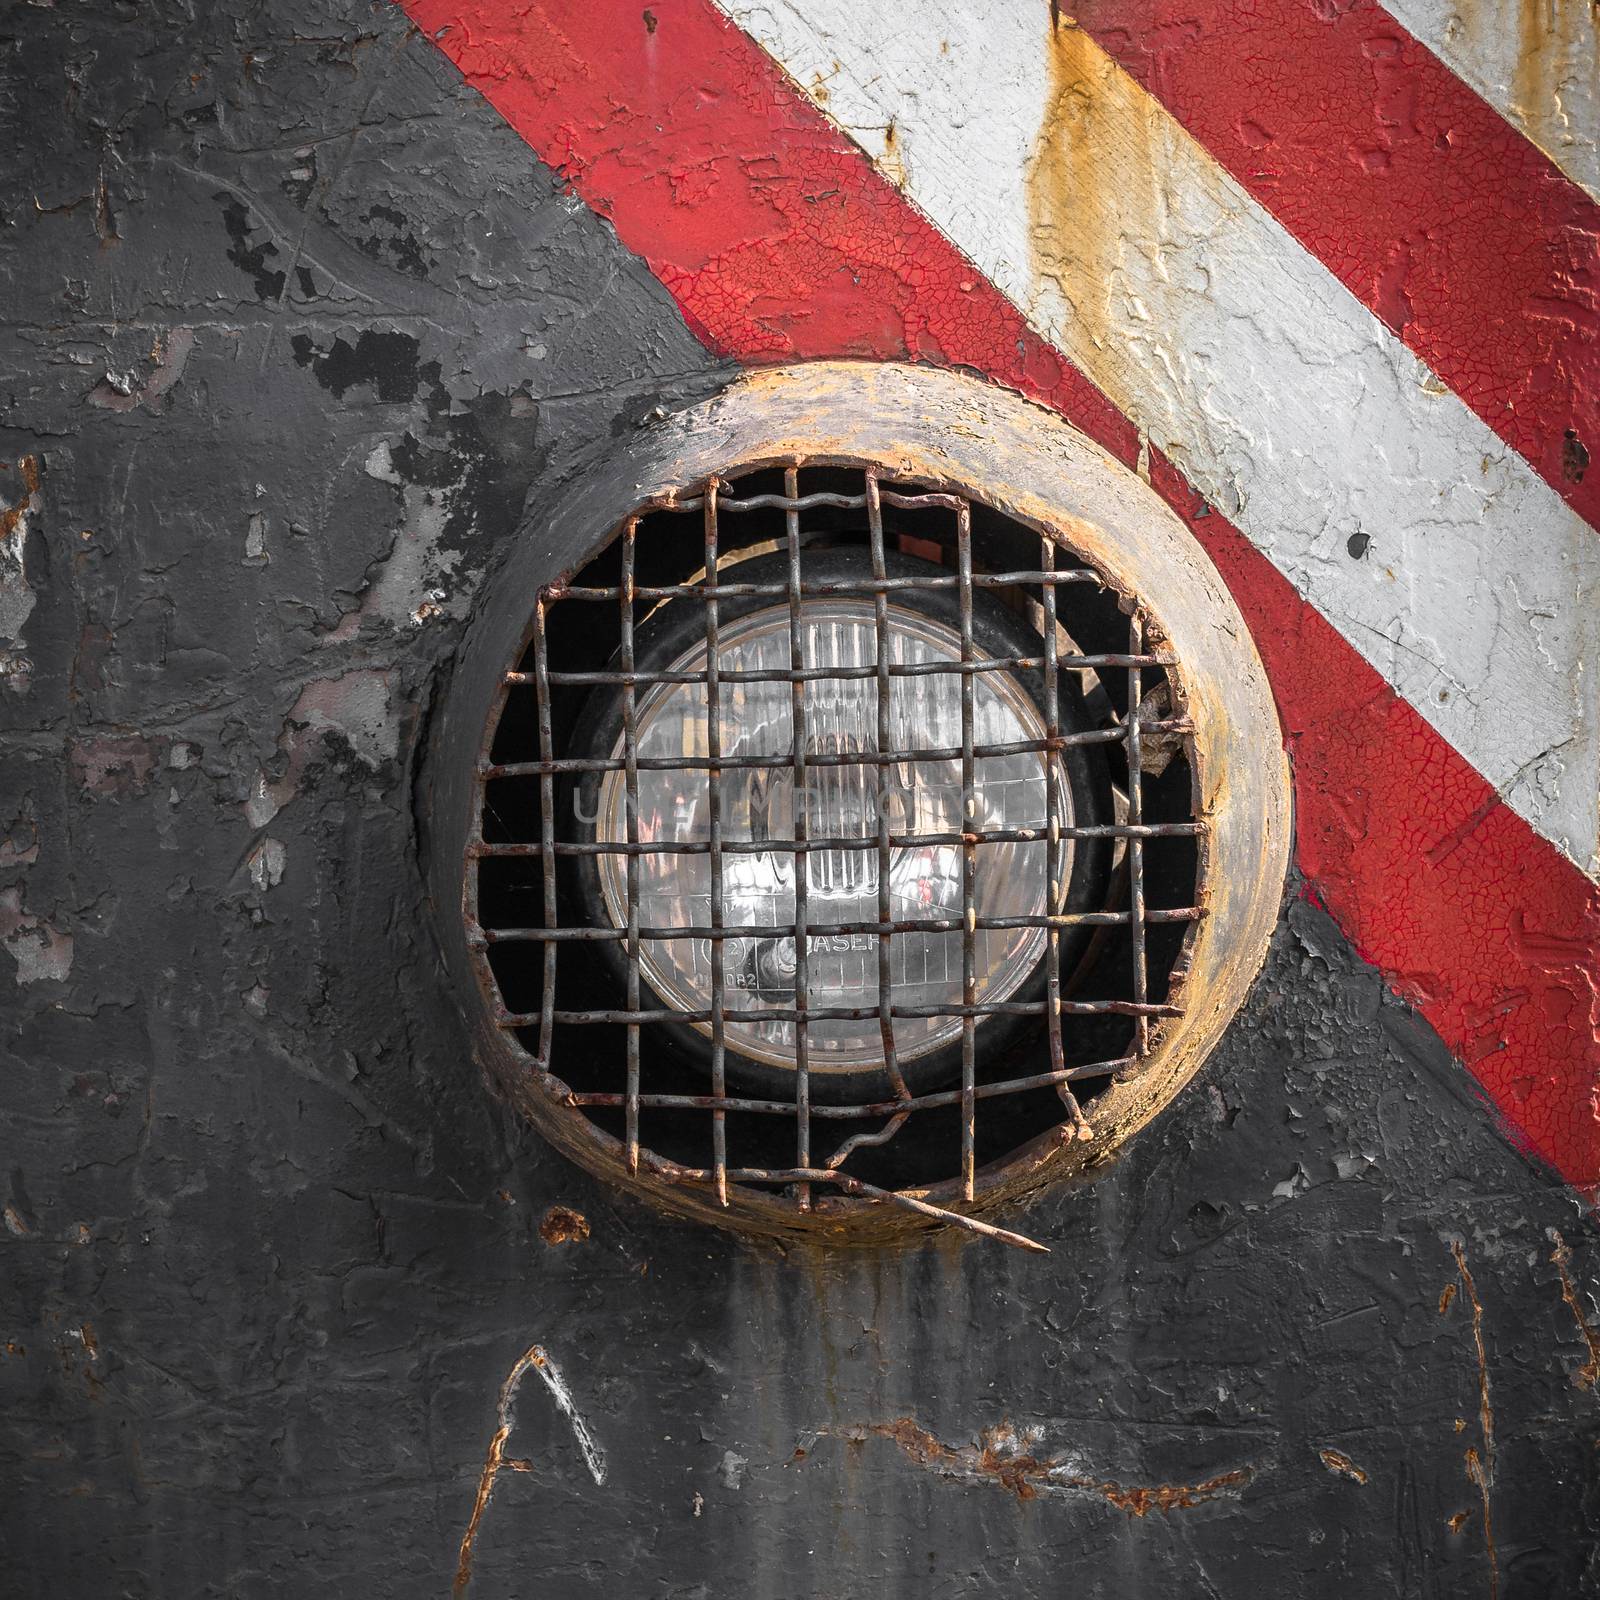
[1089,1021]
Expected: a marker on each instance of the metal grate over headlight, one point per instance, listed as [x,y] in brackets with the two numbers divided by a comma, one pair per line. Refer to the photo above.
[857,805]
[1088,1019]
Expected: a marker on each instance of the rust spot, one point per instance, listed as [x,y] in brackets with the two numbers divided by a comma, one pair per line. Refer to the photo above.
[1485,1410]
[892,163]
[562,1225]
[11,517]
[1446,1297]
[1479,1474]
[1456,1523]
[1096,118]
[1480,1467]
[651,22]
[491,1469]
[916,1441]
[1553,42]
[493,1462]
[1005,1457]
[1337,1461]
[1167,1497]
[1588,1375]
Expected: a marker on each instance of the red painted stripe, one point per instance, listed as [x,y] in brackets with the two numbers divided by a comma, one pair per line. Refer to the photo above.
[772,232]
[779,240]
[1471,916]
[1420,198]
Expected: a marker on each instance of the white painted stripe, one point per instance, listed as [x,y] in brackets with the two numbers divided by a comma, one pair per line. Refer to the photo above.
[1477,592]
[1537,62]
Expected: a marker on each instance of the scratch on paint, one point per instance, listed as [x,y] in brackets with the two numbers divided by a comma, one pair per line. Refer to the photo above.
[1003,1457]
[1337,1461]
[1480,1466]
[495,1460]
[1479,1474]
[1485,1410]
[1588,1375]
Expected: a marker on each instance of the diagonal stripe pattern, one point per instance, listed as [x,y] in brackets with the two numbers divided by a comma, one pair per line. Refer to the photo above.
[779,240]
[1537,64]
[1445,223]
[1375,490]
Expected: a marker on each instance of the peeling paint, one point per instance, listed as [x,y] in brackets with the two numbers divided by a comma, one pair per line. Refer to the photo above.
[267,862]
[123,392]
[19,846]
[114,765]
[17,598]
[42,952]
[420,579]
[357,707]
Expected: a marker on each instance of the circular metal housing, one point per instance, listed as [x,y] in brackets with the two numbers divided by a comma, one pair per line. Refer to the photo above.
[1120,665]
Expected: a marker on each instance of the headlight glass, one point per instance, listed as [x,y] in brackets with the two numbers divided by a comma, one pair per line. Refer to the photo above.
[838,801]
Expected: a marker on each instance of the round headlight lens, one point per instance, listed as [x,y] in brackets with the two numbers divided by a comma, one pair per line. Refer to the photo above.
[838,802]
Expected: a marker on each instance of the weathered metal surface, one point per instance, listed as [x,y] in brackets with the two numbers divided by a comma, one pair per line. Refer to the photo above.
[273,1261]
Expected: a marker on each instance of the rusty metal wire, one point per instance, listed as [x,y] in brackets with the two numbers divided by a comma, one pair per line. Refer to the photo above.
[1012,747]
[719,964]
[638,1012]
[630,748]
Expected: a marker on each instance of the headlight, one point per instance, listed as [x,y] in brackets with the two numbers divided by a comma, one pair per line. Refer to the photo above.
[843,812]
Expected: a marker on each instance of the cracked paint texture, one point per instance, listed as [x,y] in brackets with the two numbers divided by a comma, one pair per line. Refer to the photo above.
[1423,202]
[271,1251]
[1537,62]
